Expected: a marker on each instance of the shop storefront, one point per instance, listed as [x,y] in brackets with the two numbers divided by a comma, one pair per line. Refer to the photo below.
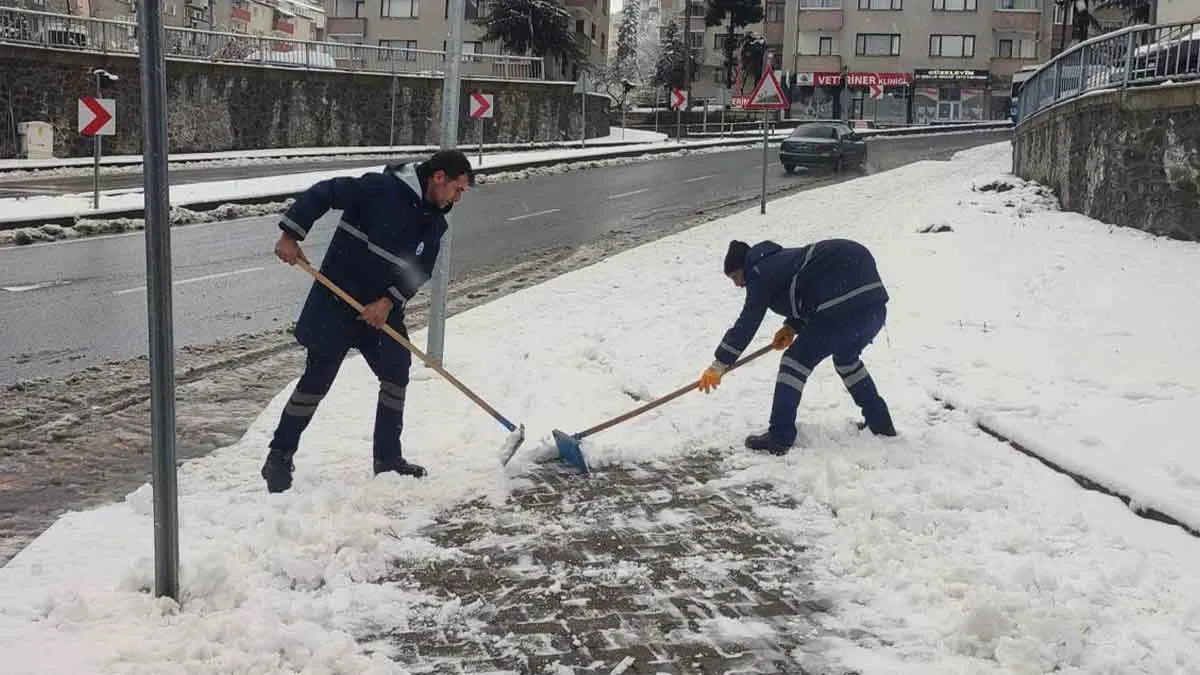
[943,95]
[878,97]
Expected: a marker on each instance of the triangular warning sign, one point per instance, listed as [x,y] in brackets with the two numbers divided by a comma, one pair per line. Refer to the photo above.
[768,95]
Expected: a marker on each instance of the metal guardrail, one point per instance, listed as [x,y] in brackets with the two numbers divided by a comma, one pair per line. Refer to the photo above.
[105,36]
[1133,56]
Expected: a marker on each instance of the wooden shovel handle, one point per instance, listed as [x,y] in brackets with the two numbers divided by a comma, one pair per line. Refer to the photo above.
[395,335]
[668,398]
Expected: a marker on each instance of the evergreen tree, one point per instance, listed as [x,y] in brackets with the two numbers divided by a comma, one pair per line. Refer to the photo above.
[627,42]
[533,27]
[739,14]
[670,72]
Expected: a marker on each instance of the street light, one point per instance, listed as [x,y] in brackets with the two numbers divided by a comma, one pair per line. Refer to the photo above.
[98,73]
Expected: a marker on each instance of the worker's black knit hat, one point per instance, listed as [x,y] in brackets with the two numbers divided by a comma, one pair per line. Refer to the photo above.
[735,257]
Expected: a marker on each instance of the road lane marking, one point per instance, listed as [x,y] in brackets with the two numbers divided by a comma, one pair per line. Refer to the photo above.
[35,191]
[34,287]
[535,214]
[193,280]
[699,178]
[629,194]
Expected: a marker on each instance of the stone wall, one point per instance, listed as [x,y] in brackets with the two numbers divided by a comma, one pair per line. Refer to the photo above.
[215,106]
[1127,157]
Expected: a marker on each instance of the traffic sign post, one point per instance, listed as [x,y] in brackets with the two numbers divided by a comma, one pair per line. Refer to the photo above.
[582,85]
[97,117]
[481,108]
[767,96]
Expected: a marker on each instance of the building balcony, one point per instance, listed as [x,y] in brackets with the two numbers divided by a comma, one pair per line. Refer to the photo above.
[1017,22]
[809,20]
[345,25]
[811,63]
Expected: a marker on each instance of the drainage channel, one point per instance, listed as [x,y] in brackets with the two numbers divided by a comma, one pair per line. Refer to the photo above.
[1083,481]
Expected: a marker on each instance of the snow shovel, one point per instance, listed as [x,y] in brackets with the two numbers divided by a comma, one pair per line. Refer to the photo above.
[569,451]
[517,435]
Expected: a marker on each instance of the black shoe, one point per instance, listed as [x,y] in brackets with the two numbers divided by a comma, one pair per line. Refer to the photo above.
[882,429]
[277,471]
[401,467]
[763,442]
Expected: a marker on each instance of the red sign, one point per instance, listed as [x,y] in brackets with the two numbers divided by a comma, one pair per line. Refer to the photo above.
[481,105]
[678,99]
[768,95]
[94,116]
[862,79]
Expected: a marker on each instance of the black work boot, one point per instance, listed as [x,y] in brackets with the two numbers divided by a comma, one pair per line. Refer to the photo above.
[399,466]
[880,424]
[277,471]
[764,442]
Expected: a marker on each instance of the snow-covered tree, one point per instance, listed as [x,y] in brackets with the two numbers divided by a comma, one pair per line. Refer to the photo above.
[625,66]
[671,71]
[753,49]
[533,27]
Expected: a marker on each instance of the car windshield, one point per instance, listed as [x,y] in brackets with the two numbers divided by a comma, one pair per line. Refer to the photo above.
[814,131]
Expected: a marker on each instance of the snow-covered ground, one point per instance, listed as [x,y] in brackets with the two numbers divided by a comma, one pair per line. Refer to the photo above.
[44,167]
[955,552]
[127,199]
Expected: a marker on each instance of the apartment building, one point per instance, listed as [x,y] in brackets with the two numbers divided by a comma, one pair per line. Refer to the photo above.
[413,24]
[287,19]
[919,61]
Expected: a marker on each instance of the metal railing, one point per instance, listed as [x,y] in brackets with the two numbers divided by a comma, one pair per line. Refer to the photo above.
[64,31]
[1130,57]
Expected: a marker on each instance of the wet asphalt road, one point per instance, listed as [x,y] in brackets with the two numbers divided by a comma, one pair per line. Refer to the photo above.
[67,305]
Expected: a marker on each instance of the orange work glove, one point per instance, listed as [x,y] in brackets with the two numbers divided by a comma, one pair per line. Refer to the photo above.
[783,337]
[710,378]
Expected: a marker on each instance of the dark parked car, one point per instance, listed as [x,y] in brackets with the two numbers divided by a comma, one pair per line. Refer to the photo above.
[828,144]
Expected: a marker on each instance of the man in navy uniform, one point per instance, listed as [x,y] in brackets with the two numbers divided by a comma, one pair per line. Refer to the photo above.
[383,251]
[833,303]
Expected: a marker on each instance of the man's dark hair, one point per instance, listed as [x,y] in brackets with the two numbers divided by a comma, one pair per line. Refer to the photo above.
[453,162]
[735,257]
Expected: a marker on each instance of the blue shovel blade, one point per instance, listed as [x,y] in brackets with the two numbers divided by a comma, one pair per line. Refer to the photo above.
[569,451]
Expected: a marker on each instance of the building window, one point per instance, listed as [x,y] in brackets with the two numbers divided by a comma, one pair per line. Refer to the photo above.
[820,4]
[593,31]
[952,46]
[472,9]
[579,26]
[399,44]
[604,41]
[470,49]
[825,46]
[889,5]
[350,8]
[1016,48]
[399,9]
[954,5]
[877,44]
[776,11]
[1023,5]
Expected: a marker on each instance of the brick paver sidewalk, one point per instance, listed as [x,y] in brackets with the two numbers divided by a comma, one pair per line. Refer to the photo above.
[634,570]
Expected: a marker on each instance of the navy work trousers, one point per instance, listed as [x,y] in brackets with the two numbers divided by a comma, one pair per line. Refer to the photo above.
[390,362]
[844,338]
